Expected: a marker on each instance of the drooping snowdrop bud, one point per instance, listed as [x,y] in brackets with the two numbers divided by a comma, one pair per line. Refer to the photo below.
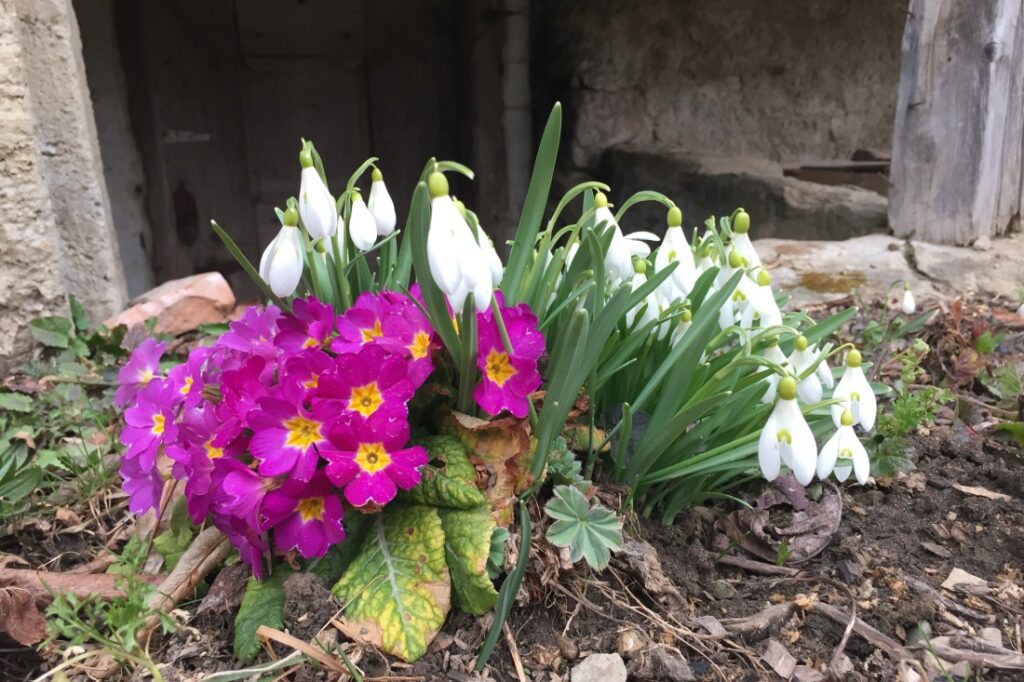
[676,249]
[317,208]
[381,206]
[618,262]
[775,354]
[456,261]
[651,305]
[759,301]
[281,263]
[787,439]
[908,305]
[854,394]
[682,326]
[708,257]
[740,238]
[361,226]
[843,453]
[802,359]
[491,256]
[729,311]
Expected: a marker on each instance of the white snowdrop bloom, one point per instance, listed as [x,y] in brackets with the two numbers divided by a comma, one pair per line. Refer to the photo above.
[676,249]
[650,308]
[708,257]
[618,261]
[775,354]
[843,453]
[570,255]
[456,260]
[758,302]
[361,226]
[824,372]
[682,326]
[494,264]
[381,206]
[854,394]
[741,240]
[317,207]
[908,305]
[802,358]
[281,263]
[729,313]
[787,439]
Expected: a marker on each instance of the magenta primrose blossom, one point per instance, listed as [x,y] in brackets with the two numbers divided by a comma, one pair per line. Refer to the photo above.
[279,423]
[508,377]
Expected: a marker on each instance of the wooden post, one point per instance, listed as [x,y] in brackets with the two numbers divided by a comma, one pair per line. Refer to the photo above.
[958,140]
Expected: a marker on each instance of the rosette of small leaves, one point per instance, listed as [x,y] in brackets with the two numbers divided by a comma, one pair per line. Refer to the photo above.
[590,532]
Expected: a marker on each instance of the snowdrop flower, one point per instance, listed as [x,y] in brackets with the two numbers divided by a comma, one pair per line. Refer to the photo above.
[787,439]
[759,300]
[908,305]
[494,264]
[676,249]
[708,257]
[381,206]
[843,453]
[456,260]
[281,263]
[775,354]
[317,208]
[682,326]
[651,305]
[855,394]
[741,240]
[618,262]
[802,359]
[362,227]
[824,372]
[727,314]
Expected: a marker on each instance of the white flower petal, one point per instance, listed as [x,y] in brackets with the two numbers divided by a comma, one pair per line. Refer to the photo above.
[285,269]
[317,208]
[442,251]
[908,305]
[382,208]
[828,455]
[768,450]
[361,226]
[809,389]
[867,403]
[861,463]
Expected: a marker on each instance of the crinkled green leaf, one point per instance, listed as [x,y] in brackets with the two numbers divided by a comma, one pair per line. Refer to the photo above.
[496,558]
[397,592]
[54,332]
[450,479]
[467,546]
[590,533]
[262,604]
[340,556]
[15,402]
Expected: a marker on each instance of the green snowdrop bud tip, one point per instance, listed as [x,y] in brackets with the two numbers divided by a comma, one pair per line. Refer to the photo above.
[787,388]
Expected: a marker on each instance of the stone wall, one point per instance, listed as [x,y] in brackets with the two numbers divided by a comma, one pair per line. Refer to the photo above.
[56,236]
[775,80]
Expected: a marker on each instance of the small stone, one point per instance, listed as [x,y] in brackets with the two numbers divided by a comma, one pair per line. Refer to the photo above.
[662,663]
[181,305]
[992,635]
[805,673]
[982,243]
[850,572]
[961,670]
[921,632]
[723,589]
[600,668]
[567,648]
[630,643]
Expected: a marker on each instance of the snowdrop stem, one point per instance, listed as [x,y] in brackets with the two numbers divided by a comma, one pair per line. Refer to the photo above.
[344,292]
[313,261]
[839,349]
[467,366]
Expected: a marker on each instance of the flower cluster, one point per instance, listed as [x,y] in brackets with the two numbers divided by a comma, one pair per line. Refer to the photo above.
[286,414]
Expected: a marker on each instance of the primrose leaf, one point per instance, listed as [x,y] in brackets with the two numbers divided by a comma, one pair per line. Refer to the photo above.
[262,604]
[449,480]
[15,402]
[467,546]
[590,533]
[54,332]
[397,591]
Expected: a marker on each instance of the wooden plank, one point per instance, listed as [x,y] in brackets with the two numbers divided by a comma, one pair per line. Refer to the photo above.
[959,129]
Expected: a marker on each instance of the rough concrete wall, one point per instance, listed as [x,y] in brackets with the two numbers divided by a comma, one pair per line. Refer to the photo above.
[778,80]
[122,162]
[56,235]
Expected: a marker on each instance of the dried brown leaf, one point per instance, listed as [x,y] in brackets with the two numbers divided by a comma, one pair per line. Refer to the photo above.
[19,616]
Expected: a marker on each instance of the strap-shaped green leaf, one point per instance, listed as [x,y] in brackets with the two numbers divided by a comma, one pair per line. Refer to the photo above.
[449,479]
[467,545]
[397,592]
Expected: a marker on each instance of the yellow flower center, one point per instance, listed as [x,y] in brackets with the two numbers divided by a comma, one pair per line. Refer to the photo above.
[310,343]
[372,457]
[158,424]
[145,376]
[365,399]
[211,451]
[310,509]
[374,332]
[187,386]
[302,432]
[499,367]
[312,382]
[420,345]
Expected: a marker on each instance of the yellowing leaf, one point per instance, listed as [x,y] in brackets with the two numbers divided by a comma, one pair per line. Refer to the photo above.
[397,593]
[467,544]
